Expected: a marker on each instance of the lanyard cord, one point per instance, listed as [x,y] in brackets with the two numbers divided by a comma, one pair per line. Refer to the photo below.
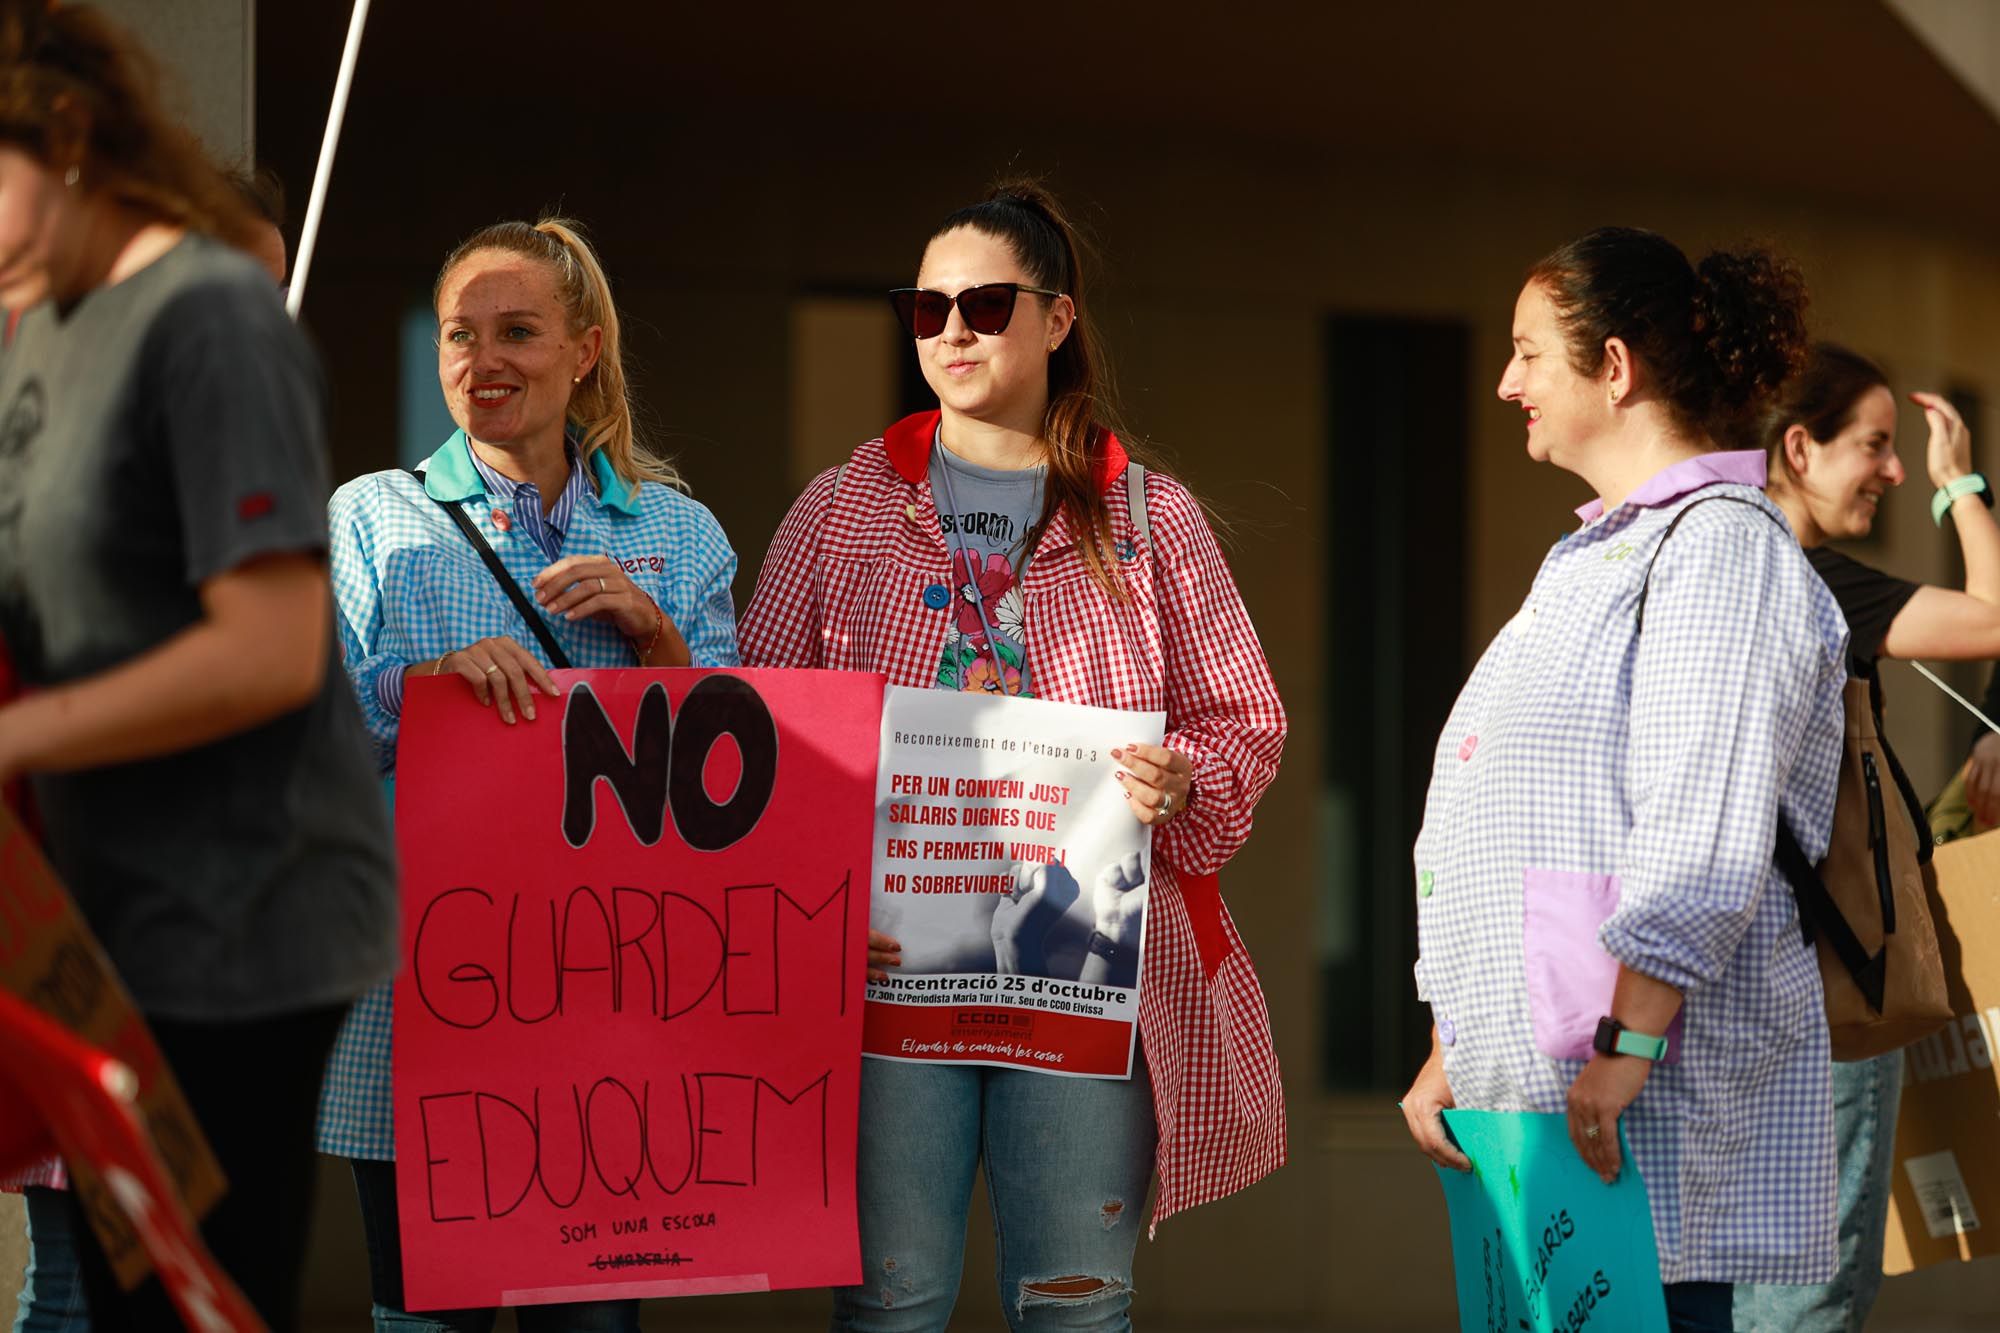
[978,595]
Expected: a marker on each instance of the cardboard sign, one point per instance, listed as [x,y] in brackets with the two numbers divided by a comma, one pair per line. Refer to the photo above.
[1009,866]
[50,960]
[628,1021]
[1945,1186]
[1540,1244]
[83,1099]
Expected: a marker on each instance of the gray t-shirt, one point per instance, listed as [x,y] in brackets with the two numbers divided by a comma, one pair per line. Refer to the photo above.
[987,516]
[165,430]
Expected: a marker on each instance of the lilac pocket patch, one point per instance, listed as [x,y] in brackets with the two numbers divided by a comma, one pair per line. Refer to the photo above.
[1570,977]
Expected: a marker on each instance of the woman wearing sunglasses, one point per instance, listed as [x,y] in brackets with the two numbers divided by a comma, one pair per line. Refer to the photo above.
[990,545]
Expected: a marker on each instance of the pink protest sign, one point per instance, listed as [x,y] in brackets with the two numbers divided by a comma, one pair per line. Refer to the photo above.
[628,1024]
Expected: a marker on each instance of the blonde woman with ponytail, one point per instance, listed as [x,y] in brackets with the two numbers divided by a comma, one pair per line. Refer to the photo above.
[625,570]
[993,544]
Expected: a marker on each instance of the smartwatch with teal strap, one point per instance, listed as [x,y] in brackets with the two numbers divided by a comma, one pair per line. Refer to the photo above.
[1947,495]
[1614,1038]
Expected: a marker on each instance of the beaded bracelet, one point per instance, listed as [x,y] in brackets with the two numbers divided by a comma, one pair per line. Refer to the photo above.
[659,628]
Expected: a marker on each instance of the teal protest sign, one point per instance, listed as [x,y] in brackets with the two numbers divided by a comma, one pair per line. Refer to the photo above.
[1540,1244]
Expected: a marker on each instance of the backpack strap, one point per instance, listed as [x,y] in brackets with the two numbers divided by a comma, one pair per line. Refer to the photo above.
[1646,583]
[1135,499]
[1819,913]
[536,625]
[1817,910]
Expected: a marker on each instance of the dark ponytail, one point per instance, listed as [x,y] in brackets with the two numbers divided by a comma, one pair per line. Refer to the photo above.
[1026,218]
[1719,341]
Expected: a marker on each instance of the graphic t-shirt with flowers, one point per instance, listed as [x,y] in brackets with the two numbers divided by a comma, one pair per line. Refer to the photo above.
[986,515]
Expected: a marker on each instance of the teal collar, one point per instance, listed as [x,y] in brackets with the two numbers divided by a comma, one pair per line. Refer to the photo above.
[449,476]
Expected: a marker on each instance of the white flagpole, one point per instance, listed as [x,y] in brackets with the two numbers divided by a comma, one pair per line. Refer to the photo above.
[317,204]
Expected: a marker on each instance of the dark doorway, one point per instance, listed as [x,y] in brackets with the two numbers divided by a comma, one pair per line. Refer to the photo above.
[1395,617]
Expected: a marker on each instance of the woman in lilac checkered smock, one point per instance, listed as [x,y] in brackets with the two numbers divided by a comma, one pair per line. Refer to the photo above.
[1598,838]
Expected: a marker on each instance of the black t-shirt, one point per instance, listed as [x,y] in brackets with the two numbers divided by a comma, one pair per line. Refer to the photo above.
[1869,600]
[167,429]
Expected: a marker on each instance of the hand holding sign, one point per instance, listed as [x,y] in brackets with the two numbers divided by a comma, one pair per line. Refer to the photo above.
[498,660]
[883,951]
[1541,1244]
[1424,1105]
[1157,777]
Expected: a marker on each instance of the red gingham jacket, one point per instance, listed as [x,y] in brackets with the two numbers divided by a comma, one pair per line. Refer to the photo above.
[843,587]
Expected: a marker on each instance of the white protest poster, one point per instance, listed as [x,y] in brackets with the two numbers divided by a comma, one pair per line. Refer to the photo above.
[1008,864]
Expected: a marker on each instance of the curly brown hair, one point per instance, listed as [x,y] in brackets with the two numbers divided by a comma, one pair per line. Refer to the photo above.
[1719,339]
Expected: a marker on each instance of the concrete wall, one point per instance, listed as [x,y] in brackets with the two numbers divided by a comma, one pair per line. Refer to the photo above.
[209,50]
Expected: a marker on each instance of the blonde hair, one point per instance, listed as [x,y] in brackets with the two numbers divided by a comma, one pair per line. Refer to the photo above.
[600,408]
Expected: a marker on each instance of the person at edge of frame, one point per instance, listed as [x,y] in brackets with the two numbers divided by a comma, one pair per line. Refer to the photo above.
[196,758]
[1831,438]
[51,1297]
[1596,854]
[876,569]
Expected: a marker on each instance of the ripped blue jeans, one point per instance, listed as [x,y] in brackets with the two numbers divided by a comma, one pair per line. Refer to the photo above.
[1067,1164]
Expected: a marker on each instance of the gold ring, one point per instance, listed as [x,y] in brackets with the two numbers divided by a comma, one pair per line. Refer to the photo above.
[492,670]
[1591,1131]
[600,584]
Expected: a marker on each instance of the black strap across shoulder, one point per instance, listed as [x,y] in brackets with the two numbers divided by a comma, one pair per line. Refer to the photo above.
[536,625]
[1646,583]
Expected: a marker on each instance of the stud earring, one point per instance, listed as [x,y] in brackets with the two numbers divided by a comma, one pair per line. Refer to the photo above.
[1053,346]
[578,379]
[73,175]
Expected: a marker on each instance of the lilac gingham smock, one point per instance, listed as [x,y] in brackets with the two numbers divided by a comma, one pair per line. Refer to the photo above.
[407,587]
[1581,745]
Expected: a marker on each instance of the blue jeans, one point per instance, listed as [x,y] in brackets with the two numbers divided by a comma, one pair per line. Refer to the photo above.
[1067,1164]
[375,1187]
[52,1289]
[1866,1094]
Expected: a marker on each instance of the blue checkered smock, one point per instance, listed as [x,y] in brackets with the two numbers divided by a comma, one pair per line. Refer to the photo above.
[408,587]
[1583,746]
